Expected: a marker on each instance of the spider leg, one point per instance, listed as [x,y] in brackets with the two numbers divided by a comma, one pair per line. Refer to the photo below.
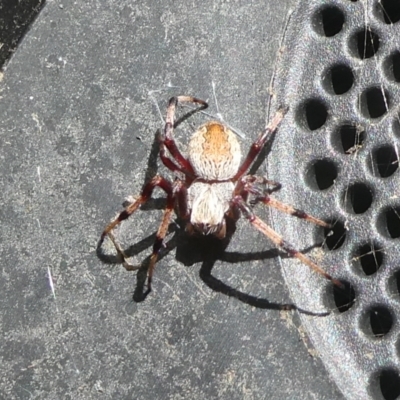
[248,185]
[147,191]
[171,165]
[160,236]
[250,182]
[179,192]
[122,254]
[167,136]
[258,145]
[295,212]
[278,240]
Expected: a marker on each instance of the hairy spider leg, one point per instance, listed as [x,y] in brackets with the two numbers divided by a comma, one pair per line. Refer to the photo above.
[169,163]
[179,193]
[295,212]
[167,136]
[160,236]
[279,241]
[121,253]
[258,145]
[250,181]
[157,181]
[248,185]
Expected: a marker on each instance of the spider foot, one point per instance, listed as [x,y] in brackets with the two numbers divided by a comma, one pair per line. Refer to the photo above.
[130,267]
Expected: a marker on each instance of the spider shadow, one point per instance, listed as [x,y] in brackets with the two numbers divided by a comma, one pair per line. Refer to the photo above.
[206,250]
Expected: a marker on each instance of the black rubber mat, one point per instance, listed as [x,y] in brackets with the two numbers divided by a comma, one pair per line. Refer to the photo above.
[77,105]
[77,136]
[336,155]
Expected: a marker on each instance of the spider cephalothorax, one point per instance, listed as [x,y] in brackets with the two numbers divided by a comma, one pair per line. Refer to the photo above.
[215,187]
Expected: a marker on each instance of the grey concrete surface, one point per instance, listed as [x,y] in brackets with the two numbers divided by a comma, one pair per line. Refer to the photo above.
[77,136]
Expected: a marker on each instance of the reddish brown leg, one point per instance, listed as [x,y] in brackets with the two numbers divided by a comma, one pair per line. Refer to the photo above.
[161,233]
[157,181]
[292,211]
[278,240]
[258,145]
[169,163]
[178,191]
[167,137]
[248,185]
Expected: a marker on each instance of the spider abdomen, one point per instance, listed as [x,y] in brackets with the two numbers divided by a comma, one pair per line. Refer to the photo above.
[208,204]
[214,152]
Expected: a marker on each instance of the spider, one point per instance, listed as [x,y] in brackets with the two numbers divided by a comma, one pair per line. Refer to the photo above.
[214,187]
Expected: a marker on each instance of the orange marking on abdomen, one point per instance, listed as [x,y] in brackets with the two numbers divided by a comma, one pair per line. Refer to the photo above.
[216,144]
[214,151]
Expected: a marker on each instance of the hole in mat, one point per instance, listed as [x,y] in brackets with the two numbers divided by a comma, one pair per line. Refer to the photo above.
[385,384]
[365,43]
[338,79]
[396,125]
[368,258]
[389,382]
[313,113]
[374,102]
[385,160]
[328,21]
[391,66]
[357,198]
[321,174]
[394,284]
[352,138]
[377,321]
[389,11]
[388,222]
[341,299]
[335,236]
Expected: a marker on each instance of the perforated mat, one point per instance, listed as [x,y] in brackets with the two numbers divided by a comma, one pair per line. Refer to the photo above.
[336,155]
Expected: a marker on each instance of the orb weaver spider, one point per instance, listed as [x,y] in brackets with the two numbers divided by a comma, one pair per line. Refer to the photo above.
[214,187]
